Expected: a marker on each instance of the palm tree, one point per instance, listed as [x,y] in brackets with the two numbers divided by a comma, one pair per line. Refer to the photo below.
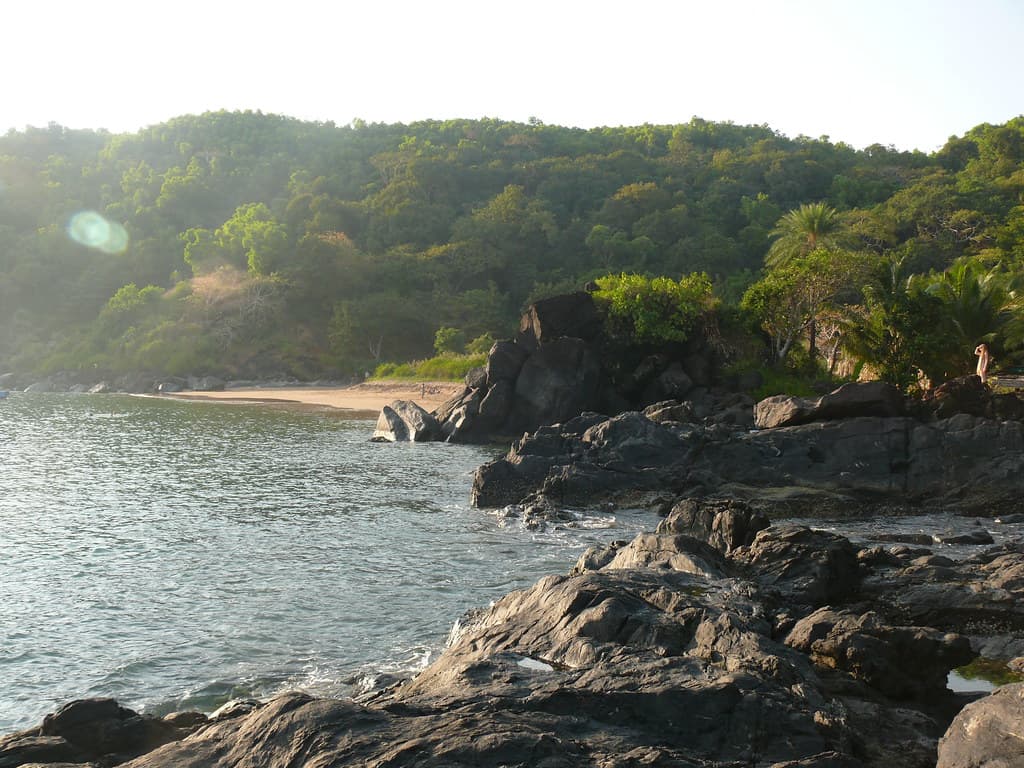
[977,298]
[802,230]
[799,233]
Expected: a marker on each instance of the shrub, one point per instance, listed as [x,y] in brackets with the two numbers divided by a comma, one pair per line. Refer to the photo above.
[654,310]
[443,368]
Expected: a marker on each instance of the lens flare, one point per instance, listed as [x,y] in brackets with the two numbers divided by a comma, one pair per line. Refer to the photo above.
[94,231]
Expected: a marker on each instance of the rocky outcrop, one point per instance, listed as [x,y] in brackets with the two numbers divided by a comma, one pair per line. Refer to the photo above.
[964,459]
[405,421]
[725,524]
[874,398]
[987,733]
[900,662]
[719,646]
[97,731]
[561,365]
[714,641]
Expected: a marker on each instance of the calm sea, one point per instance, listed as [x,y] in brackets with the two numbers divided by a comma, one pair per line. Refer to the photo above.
[177,554]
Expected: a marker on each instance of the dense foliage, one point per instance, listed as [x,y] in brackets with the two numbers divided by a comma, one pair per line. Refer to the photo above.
[251,244]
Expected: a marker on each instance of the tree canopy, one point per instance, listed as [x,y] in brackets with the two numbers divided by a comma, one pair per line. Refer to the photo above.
[256,244]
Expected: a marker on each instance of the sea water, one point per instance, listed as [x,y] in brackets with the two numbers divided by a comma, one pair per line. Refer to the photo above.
[176,554]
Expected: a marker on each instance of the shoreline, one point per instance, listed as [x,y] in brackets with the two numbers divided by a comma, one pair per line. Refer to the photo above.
[368,397]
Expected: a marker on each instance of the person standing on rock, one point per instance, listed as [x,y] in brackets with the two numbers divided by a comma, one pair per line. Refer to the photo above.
[983,359]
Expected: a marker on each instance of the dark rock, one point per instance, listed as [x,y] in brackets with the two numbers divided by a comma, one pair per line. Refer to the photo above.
[1007,406]
[24,748]
[186,721]
[965,460]
[700,369]
[229,710]
[496,406]
[571,315]
[933,560]
[504,361]
[873,398]
[660,551]
[404,421]
[1009,519]
[804,566]
[965,395]
[476,378]
[725,524]
[670,384]
[921,539]
[900,662]
[987,733]
[974,538]
[557,382]
[445,410]
[99,729]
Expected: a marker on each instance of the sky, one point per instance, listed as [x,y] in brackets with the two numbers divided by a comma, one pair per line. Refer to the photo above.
[903,73]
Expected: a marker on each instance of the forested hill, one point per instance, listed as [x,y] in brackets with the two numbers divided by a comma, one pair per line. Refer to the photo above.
[255,244]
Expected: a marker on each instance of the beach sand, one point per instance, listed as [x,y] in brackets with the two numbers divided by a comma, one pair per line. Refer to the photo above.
[368,397]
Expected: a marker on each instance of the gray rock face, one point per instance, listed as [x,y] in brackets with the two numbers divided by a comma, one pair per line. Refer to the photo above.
[572,315]
[652,652]
[504,361]
[659,651]
[873,398]
[857,458]
[801,566]
[557,382]
[987,733]
[901,662]
[405,421]
[725,524]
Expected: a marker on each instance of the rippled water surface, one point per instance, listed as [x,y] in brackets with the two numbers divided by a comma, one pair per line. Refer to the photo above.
[176,554]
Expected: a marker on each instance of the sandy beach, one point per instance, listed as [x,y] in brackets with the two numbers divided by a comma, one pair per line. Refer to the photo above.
[368,397]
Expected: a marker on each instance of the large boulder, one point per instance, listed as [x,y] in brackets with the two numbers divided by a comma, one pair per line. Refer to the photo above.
[900,662]
[504,361]
[987,733]
[557,382]
[725,524]
[405,421]
[967,394]
[89,730]
[872,398]
[802,566]
[574,315]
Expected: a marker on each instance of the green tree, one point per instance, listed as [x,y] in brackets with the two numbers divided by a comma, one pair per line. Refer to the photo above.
[790,298]
[802,230]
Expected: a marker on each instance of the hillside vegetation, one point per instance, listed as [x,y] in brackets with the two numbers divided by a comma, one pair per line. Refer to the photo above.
[244,244]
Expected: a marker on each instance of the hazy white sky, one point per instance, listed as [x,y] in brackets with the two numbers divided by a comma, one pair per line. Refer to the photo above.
[905,72]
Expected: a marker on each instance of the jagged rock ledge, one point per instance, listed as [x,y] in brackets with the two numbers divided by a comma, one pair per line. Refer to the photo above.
[857,459]
[716,640]
[560,364]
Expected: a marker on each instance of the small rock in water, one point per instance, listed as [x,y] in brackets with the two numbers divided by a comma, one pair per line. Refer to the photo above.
[1010,519]
[921,539]
[974,538]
